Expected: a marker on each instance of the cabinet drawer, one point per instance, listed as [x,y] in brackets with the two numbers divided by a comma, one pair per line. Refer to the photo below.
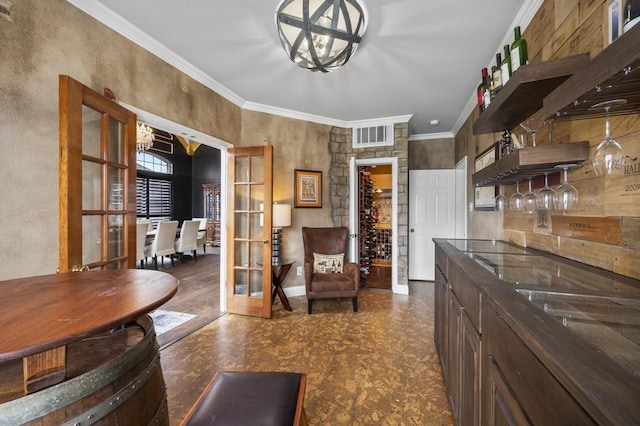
[542,398]
[467,293]
[442,261]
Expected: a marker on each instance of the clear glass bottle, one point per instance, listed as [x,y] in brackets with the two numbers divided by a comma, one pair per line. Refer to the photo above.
[519,54]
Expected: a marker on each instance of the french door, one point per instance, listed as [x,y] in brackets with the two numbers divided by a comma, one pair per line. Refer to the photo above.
[97,173]
[250,179]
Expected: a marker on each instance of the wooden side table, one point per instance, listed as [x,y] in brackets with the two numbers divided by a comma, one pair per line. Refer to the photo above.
[279,271]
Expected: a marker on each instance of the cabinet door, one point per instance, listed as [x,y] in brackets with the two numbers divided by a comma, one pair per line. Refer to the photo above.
[469,373]
[440,310]
[503,407]
[454,333]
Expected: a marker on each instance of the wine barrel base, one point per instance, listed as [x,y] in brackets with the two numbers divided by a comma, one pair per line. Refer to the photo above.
[112,378]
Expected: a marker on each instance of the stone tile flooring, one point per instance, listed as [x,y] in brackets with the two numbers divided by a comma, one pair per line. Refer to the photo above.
[376,366]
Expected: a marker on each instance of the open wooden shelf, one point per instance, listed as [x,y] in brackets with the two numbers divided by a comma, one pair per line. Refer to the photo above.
[524,92]
[613,74]
[525,163]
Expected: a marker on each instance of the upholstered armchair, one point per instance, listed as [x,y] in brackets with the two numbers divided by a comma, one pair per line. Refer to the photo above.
[329,284]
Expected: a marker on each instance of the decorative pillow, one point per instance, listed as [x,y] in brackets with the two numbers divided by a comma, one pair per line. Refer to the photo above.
[328,263]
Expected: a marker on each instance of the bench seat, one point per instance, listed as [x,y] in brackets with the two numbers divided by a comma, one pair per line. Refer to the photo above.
[251,398]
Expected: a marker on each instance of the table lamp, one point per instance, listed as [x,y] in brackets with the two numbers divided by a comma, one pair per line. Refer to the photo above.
[280,218]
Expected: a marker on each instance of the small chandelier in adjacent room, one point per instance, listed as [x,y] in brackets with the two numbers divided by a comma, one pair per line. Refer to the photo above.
[320,35]
[144,137]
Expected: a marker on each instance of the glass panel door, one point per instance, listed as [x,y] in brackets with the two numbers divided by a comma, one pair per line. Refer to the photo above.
[249,275]
[97,186]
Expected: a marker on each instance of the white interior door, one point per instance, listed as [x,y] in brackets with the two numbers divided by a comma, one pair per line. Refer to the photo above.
[431,215]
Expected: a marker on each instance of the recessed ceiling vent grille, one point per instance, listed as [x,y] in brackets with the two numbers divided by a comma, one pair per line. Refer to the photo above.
[366,137]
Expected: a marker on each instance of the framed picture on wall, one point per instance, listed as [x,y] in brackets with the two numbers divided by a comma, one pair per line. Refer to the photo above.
[484,197]
[308,188]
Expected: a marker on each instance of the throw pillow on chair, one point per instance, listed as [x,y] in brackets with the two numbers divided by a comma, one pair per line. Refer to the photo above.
[328,263]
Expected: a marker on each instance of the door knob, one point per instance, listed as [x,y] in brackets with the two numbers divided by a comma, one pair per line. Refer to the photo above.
[265,241]
[412,230]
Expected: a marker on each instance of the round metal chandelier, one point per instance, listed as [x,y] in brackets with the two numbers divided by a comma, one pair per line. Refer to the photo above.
[320,35]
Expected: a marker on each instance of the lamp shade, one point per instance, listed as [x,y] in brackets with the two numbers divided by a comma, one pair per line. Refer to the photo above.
[320,35]
[281,216]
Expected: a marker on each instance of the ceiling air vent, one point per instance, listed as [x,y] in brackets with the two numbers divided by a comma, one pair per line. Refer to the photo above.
[366,137]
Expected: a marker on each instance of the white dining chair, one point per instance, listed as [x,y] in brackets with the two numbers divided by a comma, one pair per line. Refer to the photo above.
[148,222]
[202,233]
[188,238]
[164,242]
[141,238]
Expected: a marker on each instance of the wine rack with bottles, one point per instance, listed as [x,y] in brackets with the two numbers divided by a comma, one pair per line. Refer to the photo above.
[367,222]
[382,254]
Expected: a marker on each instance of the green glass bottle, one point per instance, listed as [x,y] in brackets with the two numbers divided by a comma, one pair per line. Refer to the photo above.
[506,65]
[519,55]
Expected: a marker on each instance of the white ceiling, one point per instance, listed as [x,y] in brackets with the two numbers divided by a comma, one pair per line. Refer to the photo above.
[417,57]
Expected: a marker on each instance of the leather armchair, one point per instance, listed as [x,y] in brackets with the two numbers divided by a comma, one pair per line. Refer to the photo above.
[329,285]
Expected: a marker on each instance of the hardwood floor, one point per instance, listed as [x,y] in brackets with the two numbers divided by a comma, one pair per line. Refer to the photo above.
[198,292]
[379,277]
[376,366]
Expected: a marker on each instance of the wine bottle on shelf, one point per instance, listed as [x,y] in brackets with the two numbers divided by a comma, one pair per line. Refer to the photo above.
[486,91]
[506,65]
[519,54]
[480,90]
[496,76]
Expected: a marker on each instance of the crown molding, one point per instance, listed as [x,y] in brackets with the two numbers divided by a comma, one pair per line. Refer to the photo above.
[289,113]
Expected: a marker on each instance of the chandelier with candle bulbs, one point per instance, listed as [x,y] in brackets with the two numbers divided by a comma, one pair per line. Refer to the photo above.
[144,138]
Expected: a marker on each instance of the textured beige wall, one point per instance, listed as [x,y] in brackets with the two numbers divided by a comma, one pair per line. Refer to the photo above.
[296,145]
[48,38]
[432,154]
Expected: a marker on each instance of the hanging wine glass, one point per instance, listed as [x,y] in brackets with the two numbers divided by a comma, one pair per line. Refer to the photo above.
[532,127]
[566,195]
[529,201]
[608,156]
[545,195]
[501,201]
[515,201]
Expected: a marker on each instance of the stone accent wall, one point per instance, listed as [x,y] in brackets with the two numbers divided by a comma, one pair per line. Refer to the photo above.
[341,150]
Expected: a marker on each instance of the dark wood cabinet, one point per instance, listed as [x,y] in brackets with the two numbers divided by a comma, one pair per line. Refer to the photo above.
[440,315]
[454,334]
[458,342]
[512,353]
[501,408]
[470,358]
[533,392]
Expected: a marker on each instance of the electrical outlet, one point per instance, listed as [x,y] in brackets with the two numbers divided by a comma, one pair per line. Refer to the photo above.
[299,271]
